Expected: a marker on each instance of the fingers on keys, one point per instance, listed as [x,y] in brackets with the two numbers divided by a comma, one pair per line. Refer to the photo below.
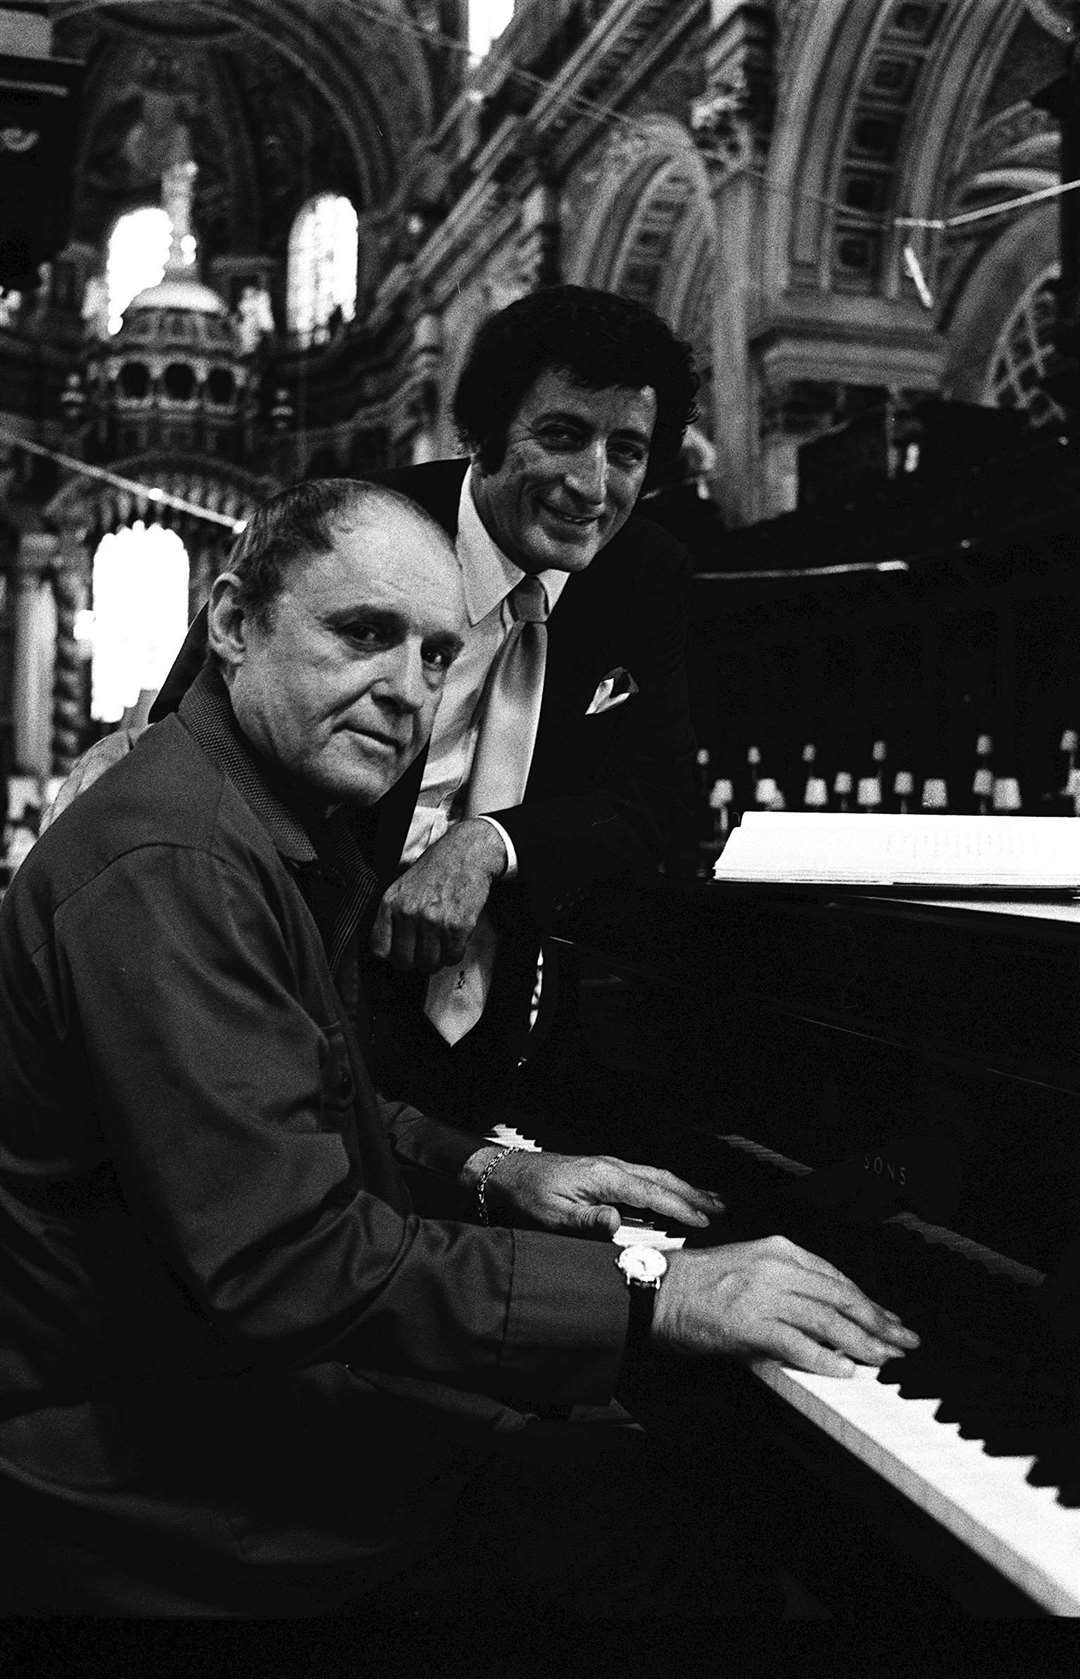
[842,1321]
[667,1195]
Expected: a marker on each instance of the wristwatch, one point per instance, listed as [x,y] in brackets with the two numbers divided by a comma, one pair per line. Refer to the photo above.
[644,1268]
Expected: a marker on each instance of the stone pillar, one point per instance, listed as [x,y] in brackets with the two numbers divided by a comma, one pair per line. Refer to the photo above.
[35,637]
[69,688]
[732,123]
[423,399]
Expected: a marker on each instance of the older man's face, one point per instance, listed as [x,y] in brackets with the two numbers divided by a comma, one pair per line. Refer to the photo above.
[341,688]
[574,466]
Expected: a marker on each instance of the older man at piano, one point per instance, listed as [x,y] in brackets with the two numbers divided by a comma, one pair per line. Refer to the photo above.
[239,1375]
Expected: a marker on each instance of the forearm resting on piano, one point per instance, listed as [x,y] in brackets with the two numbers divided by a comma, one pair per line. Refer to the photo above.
[771,1299]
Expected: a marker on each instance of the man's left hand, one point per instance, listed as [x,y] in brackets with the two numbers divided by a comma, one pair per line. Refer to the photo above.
[427,915]
[580,1195]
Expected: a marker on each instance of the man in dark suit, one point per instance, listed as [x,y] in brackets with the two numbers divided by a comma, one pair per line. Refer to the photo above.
[239,1375]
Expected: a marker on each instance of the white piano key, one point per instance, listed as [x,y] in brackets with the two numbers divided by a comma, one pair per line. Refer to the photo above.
[508,1136]
[985,1501]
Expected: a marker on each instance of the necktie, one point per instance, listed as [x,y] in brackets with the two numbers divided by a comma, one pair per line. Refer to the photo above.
[510,713]
[510,710]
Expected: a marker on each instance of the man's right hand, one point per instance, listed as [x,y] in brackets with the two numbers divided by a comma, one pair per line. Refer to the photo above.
[85,771]
[771,1299]
[428,914]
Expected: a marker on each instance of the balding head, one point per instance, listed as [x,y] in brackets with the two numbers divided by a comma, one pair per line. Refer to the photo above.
[334,627]
[301,522]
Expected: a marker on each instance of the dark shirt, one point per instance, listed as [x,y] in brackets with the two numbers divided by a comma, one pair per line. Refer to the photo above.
[196,1177]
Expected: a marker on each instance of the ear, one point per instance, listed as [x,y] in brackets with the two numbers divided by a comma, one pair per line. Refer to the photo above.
[227,622]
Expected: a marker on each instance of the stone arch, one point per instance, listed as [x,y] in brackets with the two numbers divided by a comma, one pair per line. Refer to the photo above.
[879,99]
[649,231]
[86,507]
[641,235]
[93,506]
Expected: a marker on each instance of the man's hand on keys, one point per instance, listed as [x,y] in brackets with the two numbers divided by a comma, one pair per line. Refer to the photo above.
[771,1299]
[577,1194]
[94,762]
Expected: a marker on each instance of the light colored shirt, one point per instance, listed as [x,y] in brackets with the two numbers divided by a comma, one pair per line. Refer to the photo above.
[489,578]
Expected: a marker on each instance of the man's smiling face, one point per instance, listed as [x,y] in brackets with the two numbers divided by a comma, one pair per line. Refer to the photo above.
[574,466]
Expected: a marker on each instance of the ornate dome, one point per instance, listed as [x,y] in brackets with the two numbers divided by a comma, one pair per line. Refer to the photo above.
[177,292]
[178,312]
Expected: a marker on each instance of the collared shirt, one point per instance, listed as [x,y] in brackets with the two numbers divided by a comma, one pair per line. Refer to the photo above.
[489,577]
[196,1176]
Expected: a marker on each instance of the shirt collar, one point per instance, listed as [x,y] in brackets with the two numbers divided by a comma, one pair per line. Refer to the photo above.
[206,711]
[487,573]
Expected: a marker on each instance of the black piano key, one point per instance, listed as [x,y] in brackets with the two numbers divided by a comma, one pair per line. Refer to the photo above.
[984,1353]
[1019,1440]
[892,1371]
[1068,1487]
[923,1378]
[1044,1472]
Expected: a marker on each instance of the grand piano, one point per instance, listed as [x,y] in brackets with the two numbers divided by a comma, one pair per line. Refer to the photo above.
[894,1082]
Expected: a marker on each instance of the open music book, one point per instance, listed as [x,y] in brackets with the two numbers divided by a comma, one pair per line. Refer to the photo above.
[1021,853]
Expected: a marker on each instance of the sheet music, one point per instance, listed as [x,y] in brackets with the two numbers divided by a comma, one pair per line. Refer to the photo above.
[1022,853]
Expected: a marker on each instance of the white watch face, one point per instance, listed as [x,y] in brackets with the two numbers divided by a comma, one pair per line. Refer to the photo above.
[642,1264]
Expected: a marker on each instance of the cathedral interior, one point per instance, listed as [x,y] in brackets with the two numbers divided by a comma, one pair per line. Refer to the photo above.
[852,209]
[246,243]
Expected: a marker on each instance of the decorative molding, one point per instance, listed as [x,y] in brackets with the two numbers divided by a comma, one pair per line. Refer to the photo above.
[732,121]
[1021,128]
[1057,17]
[625,42]
[890,353]
[219,486]
[538,239]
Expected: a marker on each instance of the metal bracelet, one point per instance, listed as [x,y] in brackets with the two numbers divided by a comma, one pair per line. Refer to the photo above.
[482,1182]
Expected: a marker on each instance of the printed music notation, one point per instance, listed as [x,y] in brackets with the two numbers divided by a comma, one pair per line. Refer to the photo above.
[1034,853]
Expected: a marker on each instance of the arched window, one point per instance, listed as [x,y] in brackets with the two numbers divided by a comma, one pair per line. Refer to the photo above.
[1023,353]
[138,252]
[138,617]
[322,268]
[487,20]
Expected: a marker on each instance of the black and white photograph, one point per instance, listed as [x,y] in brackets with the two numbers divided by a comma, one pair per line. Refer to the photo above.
[539,828]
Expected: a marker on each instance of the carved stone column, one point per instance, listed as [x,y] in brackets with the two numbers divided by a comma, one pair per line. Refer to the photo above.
[423,401]
[538,237]
[35,637]
[732,122]
[71,586]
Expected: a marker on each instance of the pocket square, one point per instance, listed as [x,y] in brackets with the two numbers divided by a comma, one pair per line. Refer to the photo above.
[618,685]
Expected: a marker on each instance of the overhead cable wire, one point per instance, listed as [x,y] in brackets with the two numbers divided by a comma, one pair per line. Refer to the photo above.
[497,63]
[160,497]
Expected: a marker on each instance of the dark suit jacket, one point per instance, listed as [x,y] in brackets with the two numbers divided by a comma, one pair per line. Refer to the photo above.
[607,793]
[233,1362]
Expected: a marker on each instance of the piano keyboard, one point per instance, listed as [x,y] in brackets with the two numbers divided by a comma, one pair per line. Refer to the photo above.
[902,1423]
[987,1502]
[982,1495]
[943,1464]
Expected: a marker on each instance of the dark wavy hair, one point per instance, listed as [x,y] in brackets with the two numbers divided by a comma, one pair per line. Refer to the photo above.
[599,340]
[298,523]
